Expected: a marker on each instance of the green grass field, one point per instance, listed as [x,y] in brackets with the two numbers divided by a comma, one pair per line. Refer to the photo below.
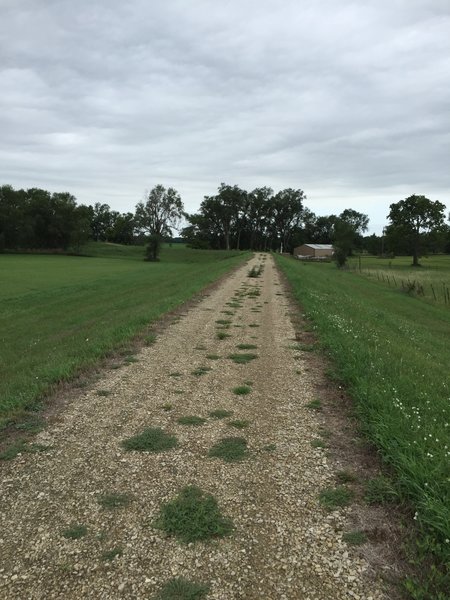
[430,282]
[59,314]
[393,352]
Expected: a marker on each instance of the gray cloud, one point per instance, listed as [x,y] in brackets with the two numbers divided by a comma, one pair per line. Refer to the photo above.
[347,100]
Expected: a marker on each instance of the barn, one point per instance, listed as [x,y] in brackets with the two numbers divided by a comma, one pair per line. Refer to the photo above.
[314,251]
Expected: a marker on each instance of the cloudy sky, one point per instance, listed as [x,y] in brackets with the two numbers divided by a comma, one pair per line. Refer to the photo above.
[348,100]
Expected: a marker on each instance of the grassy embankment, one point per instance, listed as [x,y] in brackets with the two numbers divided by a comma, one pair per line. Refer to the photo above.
[59,314]
[393,352]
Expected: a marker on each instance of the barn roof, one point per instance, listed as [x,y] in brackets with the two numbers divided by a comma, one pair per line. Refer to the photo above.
[320,246]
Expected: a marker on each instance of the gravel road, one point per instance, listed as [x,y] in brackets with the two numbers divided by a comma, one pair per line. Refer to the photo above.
[284,544]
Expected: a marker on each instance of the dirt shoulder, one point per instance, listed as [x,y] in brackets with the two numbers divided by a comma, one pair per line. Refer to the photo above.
[284,545]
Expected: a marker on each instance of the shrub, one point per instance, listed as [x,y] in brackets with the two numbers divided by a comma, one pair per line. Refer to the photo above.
[152,439]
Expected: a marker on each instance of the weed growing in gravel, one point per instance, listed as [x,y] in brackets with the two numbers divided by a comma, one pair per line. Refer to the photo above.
[239,423]
[315,405]
[253,325]
[114,500]
[103,393]
[175,374]
[246,346]
[255,271]
[333,498]
[150,339]
[220,413]
[193,515]
[182,589]
[153,439]
[221,335]
[167,407]
[242,390]
[242,359]
[212,356]
[318,443]
[199,371]
[131,359]
[191,420]
[228,312]
[200,347]
[380,490]
[178,391]
[223,321]
[354,538]
[111,554]
[234,304]
[345,477]
[230,449]
[75,531]
[20,448]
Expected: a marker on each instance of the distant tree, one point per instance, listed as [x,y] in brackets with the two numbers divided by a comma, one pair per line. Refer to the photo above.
[286,214]
[161,210]
[101,221]
[415,217]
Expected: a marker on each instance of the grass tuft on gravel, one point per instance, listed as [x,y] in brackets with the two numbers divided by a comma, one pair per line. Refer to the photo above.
[242,390]
[220,413]
[239,424]
[334,498]
[246,346]
[242,358]
[191,420]
[199,371]
[75,531]
[182,589]
[354,538]
[193,515]
[153,439]
[315,405]
[221,335]
[109,555]
[230,449]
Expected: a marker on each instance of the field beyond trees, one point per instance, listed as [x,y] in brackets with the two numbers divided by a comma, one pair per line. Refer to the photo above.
[59,314]
[392,350]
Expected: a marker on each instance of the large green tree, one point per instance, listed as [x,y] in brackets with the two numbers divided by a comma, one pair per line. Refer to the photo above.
[415,217]
[161,210]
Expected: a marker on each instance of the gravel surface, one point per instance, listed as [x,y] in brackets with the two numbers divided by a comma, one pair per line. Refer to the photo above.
[284,545]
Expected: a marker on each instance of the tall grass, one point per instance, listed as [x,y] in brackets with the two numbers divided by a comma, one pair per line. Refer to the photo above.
[59,314]
[393,352]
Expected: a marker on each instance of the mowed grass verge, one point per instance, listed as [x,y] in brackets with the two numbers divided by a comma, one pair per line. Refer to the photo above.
[393,352]
[60,314]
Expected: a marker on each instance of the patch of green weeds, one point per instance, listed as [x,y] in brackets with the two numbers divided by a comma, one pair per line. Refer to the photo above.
[333,498]
[315,405]
[131,359]
[345,476]
[221,335]
[246,346]
[103,393]
[242,390]
[379,490]
[167,407]
[21,448]
[153,439]
[175,374]
[355,538]
[114,500]
[111,554]
[150,339]
[318,443]
[228,312]
[253,325]
[75,531]
[243,358]
[220,413]
[230,449]
[199,371]
[239,423]
[193,515]
[223,321]
[212,356]
[191,420]
[182,589]
[32,425]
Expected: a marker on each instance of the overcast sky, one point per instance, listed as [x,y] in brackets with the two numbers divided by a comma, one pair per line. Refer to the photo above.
[347,100]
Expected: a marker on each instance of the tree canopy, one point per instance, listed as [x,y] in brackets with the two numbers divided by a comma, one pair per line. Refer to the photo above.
[161,210]
[415,217]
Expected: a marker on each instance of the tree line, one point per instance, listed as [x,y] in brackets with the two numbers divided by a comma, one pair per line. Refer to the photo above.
[233,218]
